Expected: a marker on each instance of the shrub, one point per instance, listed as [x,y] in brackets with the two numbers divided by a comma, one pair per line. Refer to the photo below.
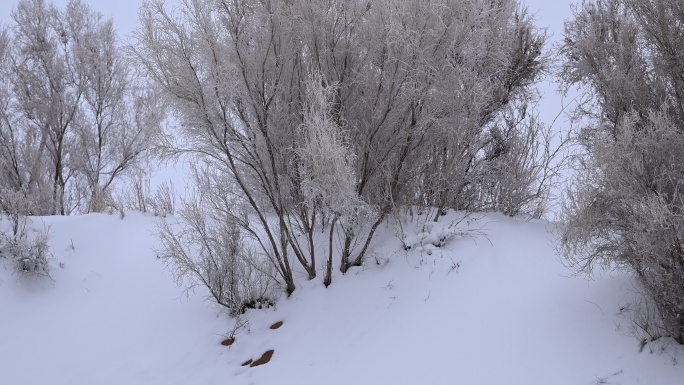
[206,247]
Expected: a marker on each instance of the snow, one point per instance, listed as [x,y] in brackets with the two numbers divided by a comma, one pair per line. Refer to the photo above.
[498,308]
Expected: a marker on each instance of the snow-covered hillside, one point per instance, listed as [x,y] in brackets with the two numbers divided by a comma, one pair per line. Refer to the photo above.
[499,309]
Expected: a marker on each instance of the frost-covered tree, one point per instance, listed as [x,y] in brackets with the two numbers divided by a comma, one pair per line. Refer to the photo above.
[31,131]
[408,94]
[523,160]
[26,248]
[119,115]
[325,160]
[75,115]
[625,210]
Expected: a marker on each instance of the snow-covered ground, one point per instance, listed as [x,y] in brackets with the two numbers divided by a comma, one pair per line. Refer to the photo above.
[499,309]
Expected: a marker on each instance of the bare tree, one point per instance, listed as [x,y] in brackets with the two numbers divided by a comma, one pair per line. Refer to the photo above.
[625,209]
[470,77]
[23,172]
[408,90]
[48,92]
[75,116]
[119,116]
[12,174]
[524,159]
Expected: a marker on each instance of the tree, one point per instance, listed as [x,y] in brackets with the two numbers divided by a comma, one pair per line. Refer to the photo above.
[625,210]
[326,165]
[404,96]
[76,115]
[119,116]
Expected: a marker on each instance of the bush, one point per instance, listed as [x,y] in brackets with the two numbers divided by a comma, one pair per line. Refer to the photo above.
[625,210]
[207,248]
[28,250]
[25,247]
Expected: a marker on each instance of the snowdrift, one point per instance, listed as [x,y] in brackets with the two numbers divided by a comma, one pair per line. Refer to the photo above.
[490,306]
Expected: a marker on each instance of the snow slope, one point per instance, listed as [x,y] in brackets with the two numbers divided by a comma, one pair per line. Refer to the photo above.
[499,309]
